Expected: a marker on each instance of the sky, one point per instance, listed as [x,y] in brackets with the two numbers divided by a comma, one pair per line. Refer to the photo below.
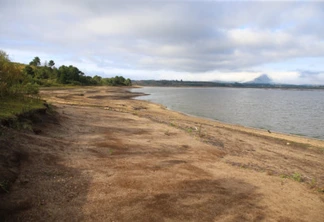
[170,39]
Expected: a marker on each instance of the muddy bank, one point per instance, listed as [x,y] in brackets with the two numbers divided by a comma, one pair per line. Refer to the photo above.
[106,157]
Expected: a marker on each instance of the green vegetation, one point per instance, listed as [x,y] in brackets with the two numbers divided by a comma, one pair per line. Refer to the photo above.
[12,106]
[110,151]
[116,81]
[49,75]
[284,176]
[19,83]
[17,93]
[297,177]
[12,80]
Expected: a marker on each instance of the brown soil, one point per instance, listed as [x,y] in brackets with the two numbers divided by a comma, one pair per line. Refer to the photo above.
[102,156]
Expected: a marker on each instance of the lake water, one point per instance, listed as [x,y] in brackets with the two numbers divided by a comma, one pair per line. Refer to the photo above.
[299,112]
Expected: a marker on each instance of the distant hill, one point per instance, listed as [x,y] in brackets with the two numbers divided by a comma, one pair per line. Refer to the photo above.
[263,79]
[260,84]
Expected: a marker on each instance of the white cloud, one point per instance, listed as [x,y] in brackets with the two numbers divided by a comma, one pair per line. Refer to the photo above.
[203,40]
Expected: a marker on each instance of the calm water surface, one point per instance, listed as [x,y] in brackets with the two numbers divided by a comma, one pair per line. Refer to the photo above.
[299,112]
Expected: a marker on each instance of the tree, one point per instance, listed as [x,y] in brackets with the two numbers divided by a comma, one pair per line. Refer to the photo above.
[62,74]
[128,82]
[116,81]
[119,81]
[12,80]
[97,79]
[42,73]
[29,71]
[36,61]
[51,63]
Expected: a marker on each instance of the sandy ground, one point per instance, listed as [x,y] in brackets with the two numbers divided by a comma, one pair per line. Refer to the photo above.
[102,156]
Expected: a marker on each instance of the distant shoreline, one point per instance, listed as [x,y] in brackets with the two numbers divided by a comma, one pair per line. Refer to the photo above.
[175,83]
[280,88]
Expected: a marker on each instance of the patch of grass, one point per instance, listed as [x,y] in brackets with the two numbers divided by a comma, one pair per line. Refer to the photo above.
[13,106]
[297,177]
[284,176]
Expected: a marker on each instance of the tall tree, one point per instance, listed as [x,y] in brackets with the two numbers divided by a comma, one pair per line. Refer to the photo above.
[51,63]
[36,61]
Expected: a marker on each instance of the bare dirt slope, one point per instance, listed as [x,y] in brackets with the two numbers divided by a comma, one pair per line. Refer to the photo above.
[105,157]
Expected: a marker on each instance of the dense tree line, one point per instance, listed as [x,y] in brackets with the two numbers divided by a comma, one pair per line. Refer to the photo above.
[25,79]
[48,75]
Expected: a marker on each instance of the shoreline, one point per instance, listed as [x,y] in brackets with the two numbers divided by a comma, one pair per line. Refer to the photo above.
[233,87]
[238,125]
[253,130]
[103,155]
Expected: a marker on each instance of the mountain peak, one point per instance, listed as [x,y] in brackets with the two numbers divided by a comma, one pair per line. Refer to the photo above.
[263,79]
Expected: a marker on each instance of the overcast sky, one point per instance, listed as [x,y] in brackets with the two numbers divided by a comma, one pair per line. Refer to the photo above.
[164,39]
